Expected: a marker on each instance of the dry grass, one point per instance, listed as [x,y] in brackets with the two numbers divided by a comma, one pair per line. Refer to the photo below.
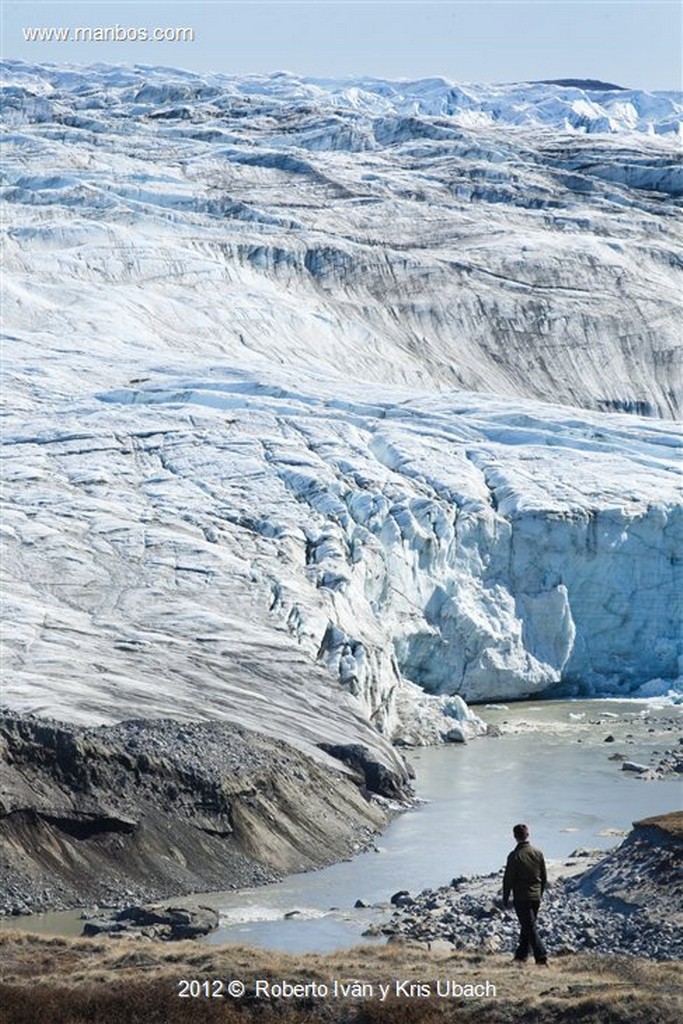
[670,823]
[61,981]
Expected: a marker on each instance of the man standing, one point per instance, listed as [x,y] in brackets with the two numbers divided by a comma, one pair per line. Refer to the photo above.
[525,877]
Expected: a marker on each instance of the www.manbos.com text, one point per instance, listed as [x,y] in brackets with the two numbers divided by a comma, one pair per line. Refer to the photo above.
[109,34]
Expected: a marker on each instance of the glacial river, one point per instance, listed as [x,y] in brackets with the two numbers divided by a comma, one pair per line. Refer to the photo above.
[552,771]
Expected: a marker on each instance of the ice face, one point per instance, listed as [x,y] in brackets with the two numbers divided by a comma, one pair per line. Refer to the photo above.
[220,542]
[255,467]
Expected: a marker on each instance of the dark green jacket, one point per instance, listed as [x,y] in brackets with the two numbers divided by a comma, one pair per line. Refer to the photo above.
[525,875]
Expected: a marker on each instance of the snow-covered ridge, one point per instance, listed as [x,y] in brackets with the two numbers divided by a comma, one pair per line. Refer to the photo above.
[252,444]
[521,259]
[583,107]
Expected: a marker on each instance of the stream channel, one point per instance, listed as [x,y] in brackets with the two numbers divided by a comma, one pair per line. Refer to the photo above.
[552,767]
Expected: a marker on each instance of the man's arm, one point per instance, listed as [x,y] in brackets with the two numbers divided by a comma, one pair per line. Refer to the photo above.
[508,880]
[544,875]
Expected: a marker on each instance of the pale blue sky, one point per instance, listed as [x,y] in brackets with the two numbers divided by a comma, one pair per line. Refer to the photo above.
[630,43]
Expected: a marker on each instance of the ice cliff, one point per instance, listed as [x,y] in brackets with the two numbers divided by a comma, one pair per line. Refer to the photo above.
[308,398]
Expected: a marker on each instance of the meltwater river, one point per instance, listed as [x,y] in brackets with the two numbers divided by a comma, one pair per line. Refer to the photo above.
[552,770]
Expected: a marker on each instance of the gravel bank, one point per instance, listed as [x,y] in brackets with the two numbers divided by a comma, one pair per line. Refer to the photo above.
[146,810]
[629,902]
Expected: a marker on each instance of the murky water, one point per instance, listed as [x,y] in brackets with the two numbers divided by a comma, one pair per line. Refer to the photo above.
[554,773]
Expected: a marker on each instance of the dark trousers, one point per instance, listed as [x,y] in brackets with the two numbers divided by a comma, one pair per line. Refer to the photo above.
[527,912]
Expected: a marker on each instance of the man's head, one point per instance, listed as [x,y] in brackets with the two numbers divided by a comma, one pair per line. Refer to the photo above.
[521,833]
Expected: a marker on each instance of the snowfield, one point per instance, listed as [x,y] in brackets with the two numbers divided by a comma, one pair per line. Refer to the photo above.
[332,405]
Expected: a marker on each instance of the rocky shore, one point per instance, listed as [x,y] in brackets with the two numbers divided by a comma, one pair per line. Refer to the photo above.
[629,902]
[147,810]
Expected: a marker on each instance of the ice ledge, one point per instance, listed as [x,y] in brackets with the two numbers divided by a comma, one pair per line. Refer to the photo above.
[335,569]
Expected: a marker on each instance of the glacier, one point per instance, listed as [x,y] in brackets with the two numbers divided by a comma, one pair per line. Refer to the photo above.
[334,407]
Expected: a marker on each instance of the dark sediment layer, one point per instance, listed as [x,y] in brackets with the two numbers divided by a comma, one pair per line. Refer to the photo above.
[630,902]
[145,810]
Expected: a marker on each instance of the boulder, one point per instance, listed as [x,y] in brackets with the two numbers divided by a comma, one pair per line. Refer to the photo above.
[168,923]
[99,927]
[402,898]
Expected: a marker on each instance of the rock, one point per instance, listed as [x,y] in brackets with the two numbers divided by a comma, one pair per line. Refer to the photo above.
[376,777]
[489,910]
[609,739]
[202,921]
[456,734]
[440,947]
[633,766]
[372,931]
[134,915]
[402,898]
[100,927]
[390,929]
[170,923]
[361,905]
